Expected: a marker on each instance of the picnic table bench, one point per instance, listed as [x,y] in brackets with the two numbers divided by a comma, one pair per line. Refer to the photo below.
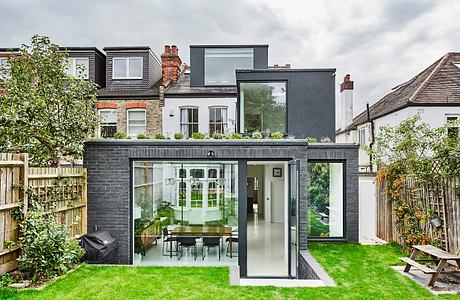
[437,255]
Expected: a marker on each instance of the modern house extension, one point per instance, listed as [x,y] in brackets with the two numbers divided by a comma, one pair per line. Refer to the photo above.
[256,202]
[232,88]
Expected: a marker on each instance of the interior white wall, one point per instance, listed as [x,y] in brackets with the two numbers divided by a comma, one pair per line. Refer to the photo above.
[171,113]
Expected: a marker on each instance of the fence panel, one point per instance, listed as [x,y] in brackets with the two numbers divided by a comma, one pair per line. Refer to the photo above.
[70,210]
[440,197]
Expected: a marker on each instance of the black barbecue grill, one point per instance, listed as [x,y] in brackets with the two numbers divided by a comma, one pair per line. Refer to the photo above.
[100,247]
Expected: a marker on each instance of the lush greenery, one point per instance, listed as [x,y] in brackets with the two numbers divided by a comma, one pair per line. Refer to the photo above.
[47,249]
[44,111]
[361,272]
[414,150]
[315,226]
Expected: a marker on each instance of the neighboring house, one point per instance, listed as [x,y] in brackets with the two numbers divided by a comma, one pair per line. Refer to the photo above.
[231,88]
[434,94]
[5,53]
[92,61]
[130,100]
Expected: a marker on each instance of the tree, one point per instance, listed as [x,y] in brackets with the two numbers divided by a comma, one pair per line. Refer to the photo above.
[45,111]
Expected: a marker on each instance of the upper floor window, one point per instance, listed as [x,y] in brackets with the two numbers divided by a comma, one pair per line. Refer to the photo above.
[78,67]
[362,136]
[108,125]
[136,122]
[188,120]
[127,68]
[217,120]
[263,106]
[221,63]
[453,131]
[4,65]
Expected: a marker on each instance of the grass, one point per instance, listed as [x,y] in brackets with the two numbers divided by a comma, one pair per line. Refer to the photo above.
[316,228]
[361,272]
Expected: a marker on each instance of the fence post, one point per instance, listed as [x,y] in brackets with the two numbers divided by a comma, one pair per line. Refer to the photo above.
[25,179]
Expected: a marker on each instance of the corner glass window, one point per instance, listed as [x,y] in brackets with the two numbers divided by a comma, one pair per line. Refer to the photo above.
[218,118]
[221,63]
[188,120]
[78,67]
[263,106]
[108,122]
[325,200]
[136,122]
[127,68]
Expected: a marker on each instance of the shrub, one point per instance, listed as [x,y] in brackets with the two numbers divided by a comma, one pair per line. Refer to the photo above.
[198,136]
[159,136]
[256,135]
[142,136]
[47,249]
[234,136]
[120,135]
[6,279]
[277,135]
[311,140]
[178,136]
[218,136]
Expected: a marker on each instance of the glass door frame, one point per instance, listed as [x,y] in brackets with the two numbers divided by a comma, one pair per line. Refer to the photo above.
[293,167]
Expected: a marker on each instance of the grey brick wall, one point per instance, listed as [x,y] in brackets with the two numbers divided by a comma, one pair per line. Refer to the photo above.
[109,177]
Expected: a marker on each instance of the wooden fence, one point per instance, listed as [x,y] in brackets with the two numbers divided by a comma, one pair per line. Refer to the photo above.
[69,210]
[441,198]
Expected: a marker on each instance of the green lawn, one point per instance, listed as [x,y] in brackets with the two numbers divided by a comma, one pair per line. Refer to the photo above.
[316,228]
[361,272]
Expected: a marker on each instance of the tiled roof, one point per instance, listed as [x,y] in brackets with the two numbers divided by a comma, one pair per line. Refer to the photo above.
[123,93]
[438,85]
[182,87]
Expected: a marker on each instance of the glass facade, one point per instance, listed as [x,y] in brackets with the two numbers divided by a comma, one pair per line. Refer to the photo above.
[175,200]
[262,106]
[221,63]
[325,200]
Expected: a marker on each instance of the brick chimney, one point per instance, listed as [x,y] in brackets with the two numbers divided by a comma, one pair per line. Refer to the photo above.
[346,102]
[171,63]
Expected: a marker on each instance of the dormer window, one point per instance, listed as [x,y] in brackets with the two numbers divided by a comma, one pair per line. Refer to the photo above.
[78,67]
[127,68]
[221,63]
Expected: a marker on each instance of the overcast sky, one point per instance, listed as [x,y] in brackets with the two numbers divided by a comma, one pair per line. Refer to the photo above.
[380,43]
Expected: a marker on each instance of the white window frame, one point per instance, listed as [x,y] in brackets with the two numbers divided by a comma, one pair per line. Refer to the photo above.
[73,67]
[7,66]
[362,131]
[127,59]
[188,123]
[127,120]
[224,123]
[457,116]
[99,113]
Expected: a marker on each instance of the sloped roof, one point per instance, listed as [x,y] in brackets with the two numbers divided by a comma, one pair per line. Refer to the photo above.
[437,85]
[124,93]
[182,88]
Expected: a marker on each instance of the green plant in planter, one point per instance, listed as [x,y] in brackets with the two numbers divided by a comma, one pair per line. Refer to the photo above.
[178,136]
[165,210]
[218,136]
[311,140]
[198,136]
[277,135]
[234,136]
[159,136]
[256,135]
[142,136]
[120,135]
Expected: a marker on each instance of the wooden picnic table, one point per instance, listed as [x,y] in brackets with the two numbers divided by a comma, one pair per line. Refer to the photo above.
[437,255]
[203,231]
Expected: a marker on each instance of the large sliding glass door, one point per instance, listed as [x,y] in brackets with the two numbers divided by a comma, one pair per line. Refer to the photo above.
[181,209]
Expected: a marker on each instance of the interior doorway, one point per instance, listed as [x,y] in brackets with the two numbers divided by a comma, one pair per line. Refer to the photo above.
[268,219]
